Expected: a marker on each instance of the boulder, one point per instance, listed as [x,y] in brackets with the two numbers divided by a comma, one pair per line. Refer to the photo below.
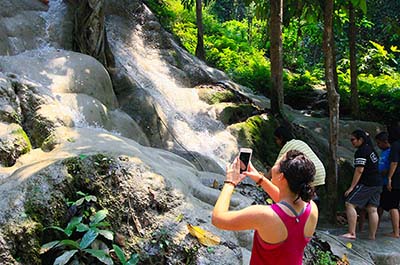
[147,191]
[62,98]
[30,25]
[13,143]
[62,71]
[10,110]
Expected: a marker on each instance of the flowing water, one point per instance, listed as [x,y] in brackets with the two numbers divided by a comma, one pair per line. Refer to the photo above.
[192,122]
[53,22]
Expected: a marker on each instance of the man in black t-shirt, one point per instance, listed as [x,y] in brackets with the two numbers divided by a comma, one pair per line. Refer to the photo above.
[366,186]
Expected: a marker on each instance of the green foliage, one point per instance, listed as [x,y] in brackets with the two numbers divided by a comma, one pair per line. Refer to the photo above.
[238,47]
[228,10]
[324,258]
[80,233]
[84,197]
[133,260]
[379,96]
[377,60]
[299,89]
[165,10]
[302,43]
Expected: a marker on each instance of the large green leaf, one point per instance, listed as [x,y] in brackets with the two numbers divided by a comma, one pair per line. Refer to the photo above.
[46,247]
[79,202]
[82,227]
[107,234]
[91,198]
[100,255]
[72,224]
[101,224]
[88,238]
[56,228]
[64,258]
[81,193]
[99,216]
[69,243]
[120,254]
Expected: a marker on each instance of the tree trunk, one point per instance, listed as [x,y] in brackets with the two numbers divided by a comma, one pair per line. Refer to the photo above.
[89,31]
[333,100]
[334,64]
[355,108]
[276,58]
[200,53]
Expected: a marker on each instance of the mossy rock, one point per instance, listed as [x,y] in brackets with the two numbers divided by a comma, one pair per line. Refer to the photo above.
[40,128]
[24,240]
[114,182]
[10,116]
[257,133]
[50,143]
[13,143]
[212,96]
[236,113]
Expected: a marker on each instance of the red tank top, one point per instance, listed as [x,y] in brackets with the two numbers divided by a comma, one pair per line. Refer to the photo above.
[287,252]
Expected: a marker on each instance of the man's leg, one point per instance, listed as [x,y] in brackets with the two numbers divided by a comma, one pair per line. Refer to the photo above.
[394,216]
[361,220]
[352,220]
[373,220]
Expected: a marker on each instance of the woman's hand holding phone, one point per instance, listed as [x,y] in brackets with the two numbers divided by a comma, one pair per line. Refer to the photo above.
[233,175]
[252,173]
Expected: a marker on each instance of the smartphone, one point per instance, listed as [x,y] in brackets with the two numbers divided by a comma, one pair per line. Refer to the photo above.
[244,157]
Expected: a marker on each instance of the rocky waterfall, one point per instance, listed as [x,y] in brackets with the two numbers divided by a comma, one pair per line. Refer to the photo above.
[140,137]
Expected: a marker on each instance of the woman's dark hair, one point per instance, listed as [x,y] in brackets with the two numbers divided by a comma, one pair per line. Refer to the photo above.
[284,134]
[360,134]
[299,172]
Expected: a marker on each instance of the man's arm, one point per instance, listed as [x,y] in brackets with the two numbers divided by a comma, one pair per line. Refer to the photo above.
[392,169]
[356,178]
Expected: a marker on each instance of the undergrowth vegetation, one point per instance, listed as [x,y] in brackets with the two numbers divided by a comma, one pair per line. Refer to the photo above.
[240,46]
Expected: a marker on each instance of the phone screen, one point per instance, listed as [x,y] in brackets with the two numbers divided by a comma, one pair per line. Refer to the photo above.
[244,161]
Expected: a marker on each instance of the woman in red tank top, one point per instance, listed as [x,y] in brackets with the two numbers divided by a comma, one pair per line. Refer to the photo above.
[283,229]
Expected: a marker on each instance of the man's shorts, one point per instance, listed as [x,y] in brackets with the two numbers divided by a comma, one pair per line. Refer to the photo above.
[362,195]
[390,199]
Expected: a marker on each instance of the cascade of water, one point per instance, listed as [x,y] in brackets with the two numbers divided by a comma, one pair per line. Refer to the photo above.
[53,19]
[192,121]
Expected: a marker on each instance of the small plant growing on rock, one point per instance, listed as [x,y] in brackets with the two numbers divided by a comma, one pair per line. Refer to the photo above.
[134,259]
[82,233]
[324,258]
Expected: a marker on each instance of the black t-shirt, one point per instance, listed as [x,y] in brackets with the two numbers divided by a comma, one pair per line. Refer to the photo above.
[367,158]
[395,157]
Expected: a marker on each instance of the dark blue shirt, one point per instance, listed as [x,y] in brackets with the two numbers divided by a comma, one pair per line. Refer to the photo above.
[384,165]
